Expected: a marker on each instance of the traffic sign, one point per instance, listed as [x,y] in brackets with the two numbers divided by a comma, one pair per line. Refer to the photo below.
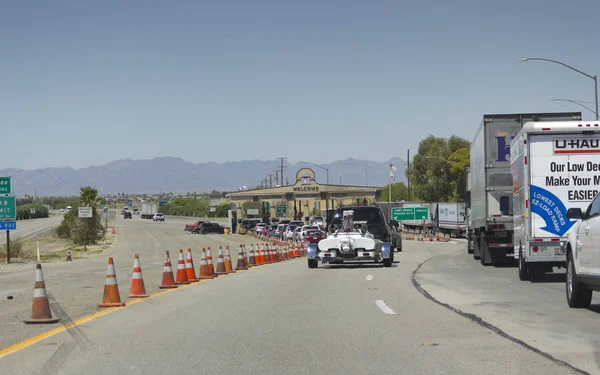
[281,208]
[8,208]
[8,225]
[85,212]
[410,213]
[4,185]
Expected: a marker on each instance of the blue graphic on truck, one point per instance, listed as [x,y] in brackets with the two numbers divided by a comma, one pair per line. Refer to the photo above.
[551,209]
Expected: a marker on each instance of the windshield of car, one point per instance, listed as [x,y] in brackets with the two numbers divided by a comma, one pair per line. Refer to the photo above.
[369,215]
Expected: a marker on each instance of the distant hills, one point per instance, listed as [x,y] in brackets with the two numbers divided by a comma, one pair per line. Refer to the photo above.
[169,174]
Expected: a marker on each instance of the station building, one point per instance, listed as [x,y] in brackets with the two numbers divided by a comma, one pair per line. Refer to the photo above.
[305,198]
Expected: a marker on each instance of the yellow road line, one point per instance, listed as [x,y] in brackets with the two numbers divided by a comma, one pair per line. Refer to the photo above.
[33,340]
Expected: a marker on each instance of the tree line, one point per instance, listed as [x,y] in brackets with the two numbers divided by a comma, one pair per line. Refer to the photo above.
[437,172]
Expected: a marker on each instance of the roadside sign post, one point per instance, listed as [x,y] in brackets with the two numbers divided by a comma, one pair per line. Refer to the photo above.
[410,213]
[8,212]
[85,212]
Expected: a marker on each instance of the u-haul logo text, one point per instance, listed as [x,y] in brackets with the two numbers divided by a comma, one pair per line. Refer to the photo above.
[577,146]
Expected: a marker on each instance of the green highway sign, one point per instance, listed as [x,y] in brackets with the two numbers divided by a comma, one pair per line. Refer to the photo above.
[8,208]
[4,185]
[281,208]
[410,213]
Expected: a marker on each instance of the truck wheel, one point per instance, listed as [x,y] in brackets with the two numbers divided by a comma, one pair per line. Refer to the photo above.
[523,271]
[387,262]
[312,263]
[469,245]
[578,295]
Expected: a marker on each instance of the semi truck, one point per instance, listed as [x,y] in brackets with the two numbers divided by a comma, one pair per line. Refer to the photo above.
[451,219]
[555,166]
[148,210]
[491,183]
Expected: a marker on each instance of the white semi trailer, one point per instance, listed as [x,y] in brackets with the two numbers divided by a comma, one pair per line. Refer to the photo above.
[555,166]
[491,183]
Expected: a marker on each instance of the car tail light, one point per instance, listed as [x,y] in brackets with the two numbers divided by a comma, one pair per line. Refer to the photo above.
[535,249]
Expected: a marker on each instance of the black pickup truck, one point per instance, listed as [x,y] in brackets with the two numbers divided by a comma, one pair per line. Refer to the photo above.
[375,220]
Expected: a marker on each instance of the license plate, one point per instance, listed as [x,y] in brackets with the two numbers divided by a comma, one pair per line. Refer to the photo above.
[559,251]
[502,234]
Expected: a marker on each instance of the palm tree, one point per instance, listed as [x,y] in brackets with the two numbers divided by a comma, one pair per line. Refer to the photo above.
[88,196]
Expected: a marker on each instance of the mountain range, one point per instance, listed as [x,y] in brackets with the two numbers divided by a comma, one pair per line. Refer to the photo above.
[171,174]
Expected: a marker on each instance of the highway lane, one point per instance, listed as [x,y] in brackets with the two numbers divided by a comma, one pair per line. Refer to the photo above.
[26,228]
[534,312]
[285,318]
[77,287]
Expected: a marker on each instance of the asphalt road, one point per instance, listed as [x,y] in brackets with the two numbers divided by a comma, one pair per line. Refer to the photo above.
[274,319]
[534,312]
[77,287]
[26,228]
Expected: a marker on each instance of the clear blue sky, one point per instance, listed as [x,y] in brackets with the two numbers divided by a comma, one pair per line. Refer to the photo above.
[84,83]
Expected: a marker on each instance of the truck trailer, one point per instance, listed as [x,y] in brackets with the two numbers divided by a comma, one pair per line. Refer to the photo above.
[491,183]
[451,219]
[555,166]
[148,210]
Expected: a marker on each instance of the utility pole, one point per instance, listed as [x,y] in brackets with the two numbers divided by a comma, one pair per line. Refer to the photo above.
[277,178]
[282,158]
[408,170]
[270,180]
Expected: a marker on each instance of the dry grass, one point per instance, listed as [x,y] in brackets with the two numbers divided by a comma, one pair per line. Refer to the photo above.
[53,248]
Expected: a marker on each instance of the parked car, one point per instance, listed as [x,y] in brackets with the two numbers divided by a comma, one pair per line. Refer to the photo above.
[158,217]
[206,228]
[314,235]
[192,227]
[261,228]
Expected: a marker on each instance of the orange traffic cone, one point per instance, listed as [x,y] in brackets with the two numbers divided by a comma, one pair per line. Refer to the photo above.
[221,263]
[263,256]
[273,253]
[241,260]
[189,267]
[211,264]
[251,257]
[181,272]
[69,259]
[228,265]
[296,251]
[204,271]
[40,310]
[111,297]
[168,280]
[137,289]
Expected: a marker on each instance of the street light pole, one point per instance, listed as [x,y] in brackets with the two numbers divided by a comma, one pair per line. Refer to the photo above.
[322,167]
[574,102]
[594,77]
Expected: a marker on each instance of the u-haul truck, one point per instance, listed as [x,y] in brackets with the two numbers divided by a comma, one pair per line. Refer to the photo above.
[555,166]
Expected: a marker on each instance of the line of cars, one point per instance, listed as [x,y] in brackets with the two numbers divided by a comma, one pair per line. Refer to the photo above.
[204,227]
[293,230]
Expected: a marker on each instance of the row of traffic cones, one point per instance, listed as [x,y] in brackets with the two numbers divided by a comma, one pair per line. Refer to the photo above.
[41,312]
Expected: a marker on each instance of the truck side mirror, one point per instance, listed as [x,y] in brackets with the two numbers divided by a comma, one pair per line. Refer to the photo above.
[574,213]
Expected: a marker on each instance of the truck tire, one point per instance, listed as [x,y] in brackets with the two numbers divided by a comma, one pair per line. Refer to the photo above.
[483,247]
[523,271]
[469,245]
[578,295]
[387,262]
[312,263]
